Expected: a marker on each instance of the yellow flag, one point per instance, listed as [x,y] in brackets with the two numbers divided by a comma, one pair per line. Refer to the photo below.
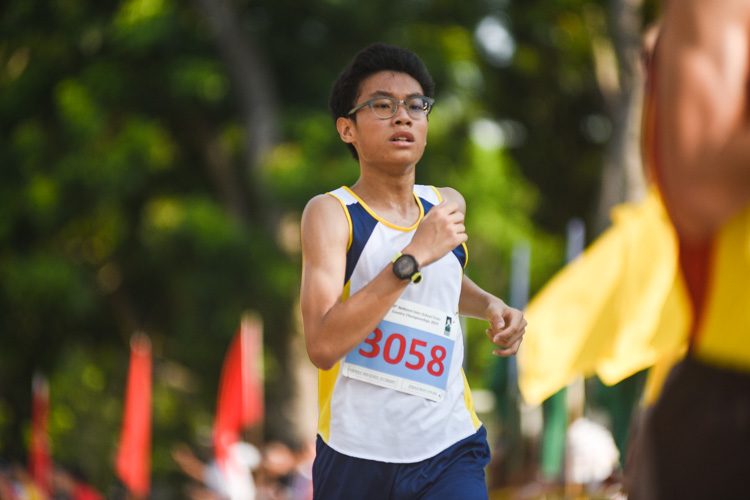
[617,309]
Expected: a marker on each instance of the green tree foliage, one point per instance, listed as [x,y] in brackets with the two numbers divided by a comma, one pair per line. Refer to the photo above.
[128,203]
[112,224]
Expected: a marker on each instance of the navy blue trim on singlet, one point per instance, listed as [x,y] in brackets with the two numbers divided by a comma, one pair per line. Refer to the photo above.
[363,225]
[426,205]
[459,251]
[460,254]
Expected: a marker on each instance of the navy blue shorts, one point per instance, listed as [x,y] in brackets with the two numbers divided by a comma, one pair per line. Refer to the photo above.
[457,472]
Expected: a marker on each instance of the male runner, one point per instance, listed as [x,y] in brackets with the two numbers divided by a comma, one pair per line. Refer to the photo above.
[382,287]
[695,440]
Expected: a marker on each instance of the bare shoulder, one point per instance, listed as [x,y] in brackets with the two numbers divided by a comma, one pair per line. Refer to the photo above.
[321,203]
[450,194]
[324,217]
[325,239]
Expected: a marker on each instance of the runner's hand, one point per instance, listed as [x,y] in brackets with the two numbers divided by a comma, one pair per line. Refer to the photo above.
[507,328]
[439,232]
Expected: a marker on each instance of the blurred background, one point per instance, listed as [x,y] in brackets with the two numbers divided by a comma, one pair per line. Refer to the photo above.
[155,157]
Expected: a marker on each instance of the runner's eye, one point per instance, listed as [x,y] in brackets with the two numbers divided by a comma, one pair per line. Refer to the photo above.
[384,104]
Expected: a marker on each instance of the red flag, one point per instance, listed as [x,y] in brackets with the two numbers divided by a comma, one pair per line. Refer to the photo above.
[240,401]
[40,461]
[133,464]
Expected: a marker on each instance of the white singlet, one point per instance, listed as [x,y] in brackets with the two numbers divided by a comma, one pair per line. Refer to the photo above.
[401,396]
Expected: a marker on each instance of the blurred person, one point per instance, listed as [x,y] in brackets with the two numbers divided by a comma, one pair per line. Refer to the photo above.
[275,471]
[218,484]
[301,486]
[694,441]
[382,288]
[286,472]
[195,469]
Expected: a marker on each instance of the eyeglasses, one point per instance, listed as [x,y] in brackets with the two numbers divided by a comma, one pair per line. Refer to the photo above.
[386,107]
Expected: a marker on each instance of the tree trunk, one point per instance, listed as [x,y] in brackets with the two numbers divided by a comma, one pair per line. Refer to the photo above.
[620,76]
[252,80]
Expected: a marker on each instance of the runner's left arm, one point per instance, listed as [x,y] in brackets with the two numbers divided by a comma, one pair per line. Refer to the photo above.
[507,324]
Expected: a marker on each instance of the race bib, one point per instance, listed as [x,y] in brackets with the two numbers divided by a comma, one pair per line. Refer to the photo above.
[410,351]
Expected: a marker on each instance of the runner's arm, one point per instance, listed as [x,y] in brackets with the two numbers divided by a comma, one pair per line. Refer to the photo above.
[507,324]
[332,327]
[703,61]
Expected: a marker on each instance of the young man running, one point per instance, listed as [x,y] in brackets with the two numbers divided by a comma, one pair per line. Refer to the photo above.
[382,288]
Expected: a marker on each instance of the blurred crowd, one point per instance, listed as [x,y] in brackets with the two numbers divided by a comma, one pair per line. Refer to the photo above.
[17,484]
[274,472]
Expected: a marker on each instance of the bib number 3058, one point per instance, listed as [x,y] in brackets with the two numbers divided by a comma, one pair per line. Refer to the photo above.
[394,352]
[411,351]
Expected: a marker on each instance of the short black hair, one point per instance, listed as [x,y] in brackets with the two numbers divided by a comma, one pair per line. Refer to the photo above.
[368,61]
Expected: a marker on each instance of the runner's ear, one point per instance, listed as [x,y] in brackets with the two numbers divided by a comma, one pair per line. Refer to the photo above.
[347,129]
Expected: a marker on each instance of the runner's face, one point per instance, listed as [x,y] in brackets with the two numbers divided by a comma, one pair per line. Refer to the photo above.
[399,139]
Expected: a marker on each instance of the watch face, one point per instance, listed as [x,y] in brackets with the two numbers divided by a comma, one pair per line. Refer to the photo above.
[405,266]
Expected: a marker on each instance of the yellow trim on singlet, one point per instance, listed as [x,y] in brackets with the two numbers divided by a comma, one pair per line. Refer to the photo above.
[326,384]
[348,219]
[469,402]
[437,193]
[380,219]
